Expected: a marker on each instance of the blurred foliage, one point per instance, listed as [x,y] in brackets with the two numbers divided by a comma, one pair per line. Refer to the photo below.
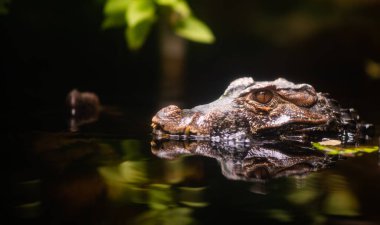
[125,172]
[372,68]
[129,182]
[342,203]
[130,149]
[132,181]
[4,6]
[173,216]
[160,196]
[323,195]
[139,15]
[340,200]
[192,196]
[289,22]
[345,150]
[131,178]
[29,210]
[280,215]
[303,196]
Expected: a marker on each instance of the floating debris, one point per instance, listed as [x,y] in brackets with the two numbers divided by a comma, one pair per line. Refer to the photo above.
[330,142]
[344,150]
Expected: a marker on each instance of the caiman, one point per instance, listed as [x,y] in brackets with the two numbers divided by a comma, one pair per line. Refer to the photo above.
[250,110]
[249,161]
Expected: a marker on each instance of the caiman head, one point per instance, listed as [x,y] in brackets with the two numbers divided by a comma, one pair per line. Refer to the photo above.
[255,109]
[249,161]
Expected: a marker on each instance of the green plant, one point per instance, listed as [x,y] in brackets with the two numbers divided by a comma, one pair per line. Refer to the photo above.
[138,16]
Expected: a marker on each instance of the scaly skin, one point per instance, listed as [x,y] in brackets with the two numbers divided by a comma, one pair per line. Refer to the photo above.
[250,109]
[250,162]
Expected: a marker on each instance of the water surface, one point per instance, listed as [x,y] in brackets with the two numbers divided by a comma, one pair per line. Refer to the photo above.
[93,177]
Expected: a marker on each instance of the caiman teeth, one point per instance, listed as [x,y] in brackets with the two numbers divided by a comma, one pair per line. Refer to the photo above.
[185,134]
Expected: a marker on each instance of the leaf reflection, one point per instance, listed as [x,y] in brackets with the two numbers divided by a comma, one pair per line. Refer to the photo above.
[340,200]
[167,199]
[140,189]
[348,151]
[173,216]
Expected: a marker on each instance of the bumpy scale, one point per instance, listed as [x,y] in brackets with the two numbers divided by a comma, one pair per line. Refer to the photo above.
[250,110]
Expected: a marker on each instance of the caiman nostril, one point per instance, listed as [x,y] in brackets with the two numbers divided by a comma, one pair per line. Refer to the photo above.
[169,112]
[155,120]
[251,109]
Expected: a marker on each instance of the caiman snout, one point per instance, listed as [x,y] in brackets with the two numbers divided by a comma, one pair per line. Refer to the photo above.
[173,120]
[168,120]
[260,109]
[167,114]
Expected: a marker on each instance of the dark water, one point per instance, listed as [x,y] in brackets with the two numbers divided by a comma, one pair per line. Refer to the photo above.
[93,177]
[106,172]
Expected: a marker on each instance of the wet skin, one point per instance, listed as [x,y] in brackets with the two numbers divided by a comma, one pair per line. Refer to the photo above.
[249,161]
[252,109]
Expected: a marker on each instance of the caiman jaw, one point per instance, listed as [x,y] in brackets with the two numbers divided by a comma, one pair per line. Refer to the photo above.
[251,109]
[173,122]
[158,130]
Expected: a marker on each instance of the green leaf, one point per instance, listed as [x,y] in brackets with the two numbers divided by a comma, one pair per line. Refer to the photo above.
[182,8]
[346,151]
[115,20]
[137,35]
[195,30]
[114,11]
[179,6]
[166,2]
[115,7]
[139,11]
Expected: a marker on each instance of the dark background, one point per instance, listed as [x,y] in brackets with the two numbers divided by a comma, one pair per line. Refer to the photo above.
[48,48]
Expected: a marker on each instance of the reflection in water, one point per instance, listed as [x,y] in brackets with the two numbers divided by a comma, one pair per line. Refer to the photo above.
[251,162]
[340,199]
[168,199]
[90,179]
[118,181]
[84,108]
[27,195]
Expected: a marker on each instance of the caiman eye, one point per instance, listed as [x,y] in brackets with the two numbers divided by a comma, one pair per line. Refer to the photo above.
[262,96]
